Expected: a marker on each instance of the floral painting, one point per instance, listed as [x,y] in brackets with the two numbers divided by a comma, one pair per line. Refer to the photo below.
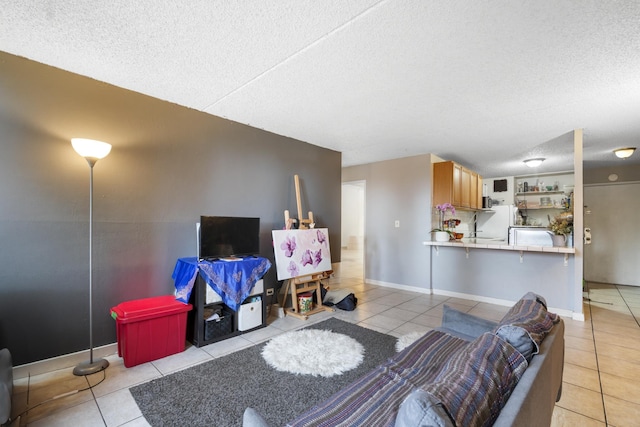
[301,252]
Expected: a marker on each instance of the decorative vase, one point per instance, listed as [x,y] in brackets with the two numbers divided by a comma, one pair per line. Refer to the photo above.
[441,236]
[559,240]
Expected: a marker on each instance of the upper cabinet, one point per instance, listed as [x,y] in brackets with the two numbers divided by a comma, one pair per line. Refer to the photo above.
[455,184]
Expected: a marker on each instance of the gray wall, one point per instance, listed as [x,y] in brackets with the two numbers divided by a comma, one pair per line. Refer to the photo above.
[168,166]
[625,172]
[396,190]
[499,274]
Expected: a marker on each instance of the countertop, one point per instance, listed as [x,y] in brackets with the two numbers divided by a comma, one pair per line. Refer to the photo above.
[498,244]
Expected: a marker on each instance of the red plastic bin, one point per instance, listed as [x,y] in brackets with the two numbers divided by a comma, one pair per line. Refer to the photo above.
[150,328]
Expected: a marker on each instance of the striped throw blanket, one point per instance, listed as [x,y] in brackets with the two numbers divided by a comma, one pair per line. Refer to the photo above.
[387,386]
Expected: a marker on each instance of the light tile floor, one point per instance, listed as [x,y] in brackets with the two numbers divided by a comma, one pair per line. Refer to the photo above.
[601,377]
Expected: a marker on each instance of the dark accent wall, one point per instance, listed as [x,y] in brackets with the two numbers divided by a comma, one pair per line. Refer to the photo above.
[168,166]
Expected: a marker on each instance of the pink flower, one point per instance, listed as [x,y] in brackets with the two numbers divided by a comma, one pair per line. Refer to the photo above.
[317,257]
[293,269]
[322,238]
[446,206]
[306,258]
[288,246]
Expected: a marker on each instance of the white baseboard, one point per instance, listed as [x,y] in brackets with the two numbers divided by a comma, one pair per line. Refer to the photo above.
[497,301]
[397,286]
[62,362]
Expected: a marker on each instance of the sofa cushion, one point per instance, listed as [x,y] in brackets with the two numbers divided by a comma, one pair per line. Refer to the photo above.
[478,380]
[464,325]
[421,409]
[536,297]
[527,319]
[519,338]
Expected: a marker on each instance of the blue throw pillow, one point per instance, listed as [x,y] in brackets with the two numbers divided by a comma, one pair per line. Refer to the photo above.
[421,409]
[519,338]
[251,418]
[465,325]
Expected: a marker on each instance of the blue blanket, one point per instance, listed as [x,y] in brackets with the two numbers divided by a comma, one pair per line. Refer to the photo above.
[232,280]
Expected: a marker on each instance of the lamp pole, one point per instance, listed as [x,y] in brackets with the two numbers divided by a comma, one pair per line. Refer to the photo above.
[92,151]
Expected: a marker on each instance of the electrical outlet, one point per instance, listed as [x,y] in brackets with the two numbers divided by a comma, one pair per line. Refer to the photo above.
[269,291]
[397,223]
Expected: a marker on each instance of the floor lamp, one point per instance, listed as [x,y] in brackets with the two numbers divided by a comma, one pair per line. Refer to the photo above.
[92,151]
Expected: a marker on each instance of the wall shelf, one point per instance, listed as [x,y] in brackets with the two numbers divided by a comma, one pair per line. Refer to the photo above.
[538,193]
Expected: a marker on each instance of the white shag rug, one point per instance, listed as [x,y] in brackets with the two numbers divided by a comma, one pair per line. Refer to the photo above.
[406,340]
[313,352]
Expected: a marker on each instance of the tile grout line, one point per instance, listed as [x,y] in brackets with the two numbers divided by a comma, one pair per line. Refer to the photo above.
[595,350]
[627,305]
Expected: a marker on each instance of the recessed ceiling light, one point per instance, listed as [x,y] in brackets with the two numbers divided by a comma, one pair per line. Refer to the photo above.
[534,163]
[623,153]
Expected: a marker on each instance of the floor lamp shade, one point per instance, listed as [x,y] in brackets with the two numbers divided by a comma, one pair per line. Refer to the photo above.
[90,148]
[92,151]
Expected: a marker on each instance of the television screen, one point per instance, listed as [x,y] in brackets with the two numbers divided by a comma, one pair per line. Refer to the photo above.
[224,236]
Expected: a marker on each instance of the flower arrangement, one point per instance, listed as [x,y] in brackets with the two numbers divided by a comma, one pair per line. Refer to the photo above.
[442,209]
[561,225]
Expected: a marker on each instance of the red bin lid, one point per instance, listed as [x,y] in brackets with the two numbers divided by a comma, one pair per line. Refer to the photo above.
[148,308]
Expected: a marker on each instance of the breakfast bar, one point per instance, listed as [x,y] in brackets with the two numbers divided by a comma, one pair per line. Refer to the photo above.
[491,270]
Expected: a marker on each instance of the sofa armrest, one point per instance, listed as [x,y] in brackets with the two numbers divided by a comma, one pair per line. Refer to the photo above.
[6,385]
[464,325]
[532,401]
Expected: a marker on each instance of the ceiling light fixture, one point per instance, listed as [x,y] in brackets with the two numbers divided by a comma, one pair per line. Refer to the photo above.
[623,153]
[534,163]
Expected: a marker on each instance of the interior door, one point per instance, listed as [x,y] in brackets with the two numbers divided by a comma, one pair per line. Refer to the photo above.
[612,212]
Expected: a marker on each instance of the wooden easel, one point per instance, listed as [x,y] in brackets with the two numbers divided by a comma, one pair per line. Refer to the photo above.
[298,285]
[305,224]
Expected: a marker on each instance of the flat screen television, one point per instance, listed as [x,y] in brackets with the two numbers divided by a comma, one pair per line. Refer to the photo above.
[225,236]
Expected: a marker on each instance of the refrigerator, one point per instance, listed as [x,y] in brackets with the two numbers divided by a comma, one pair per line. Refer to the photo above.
[495,223]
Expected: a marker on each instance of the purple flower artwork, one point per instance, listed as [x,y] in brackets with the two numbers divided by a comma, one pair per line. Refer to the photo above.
[322,238]
[293,269]
[288,246]
[301,252]
[317,258]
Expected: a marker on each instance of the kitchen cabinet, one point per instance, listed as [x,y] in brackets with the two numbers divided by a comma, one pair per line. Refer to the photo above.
[455,184]
[465,193]
[476,191]
[456,190]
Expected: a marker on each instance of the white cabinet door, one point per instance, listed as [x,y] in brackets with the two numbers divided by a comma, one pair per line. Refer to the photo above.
[612,212]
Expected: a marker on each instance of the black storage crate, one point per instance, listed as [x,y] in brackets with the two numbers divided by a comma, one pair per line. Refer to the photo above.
[219,327]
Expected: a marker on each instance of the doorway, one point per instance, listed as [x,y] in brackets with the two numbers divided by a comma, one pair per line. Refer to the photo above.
[353,225]
[611,212]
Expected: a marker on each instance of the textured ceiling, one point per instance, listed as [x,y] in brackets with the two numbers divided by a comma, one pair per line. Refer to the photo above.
[485,83]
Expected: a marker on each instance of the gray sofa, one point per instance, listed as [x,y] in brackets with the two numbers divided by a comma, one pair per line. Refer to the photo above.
[6,385]
[470,371]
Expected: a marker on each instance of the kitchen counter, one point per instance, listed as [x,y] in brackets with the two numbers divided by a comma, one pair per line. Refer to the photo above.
[491,270]
[498,244]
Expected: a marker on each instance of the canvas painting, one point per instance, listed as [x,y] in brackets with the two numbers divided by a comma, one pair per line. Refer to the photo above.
[301,252]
